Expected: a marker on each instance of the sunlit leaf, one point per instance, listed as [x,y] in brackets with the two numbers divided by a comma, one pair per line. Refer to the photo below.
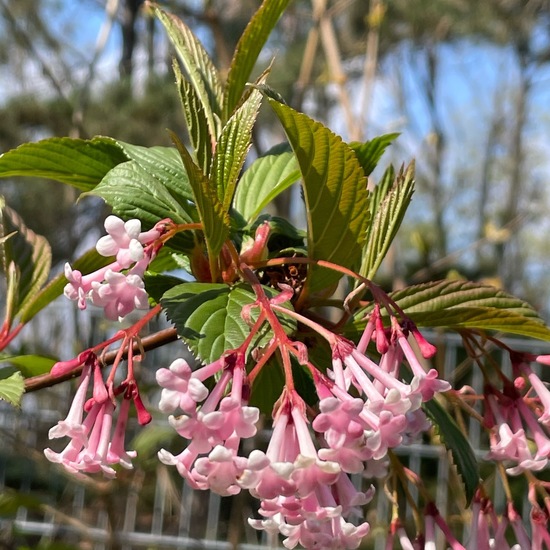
[214,218]
[197,124]
[267,177]
[468,305]
[12,386]
[370,152]
[208,316]
[203,75]
[386,222]
[232,148]
[77,162]
[335,192]
[248,49]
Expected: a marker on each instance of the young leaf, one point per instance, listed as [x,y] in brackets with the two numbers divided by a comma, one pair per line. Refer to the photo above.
[25,259]
[214,218]
[248,49]
[12,386]
[198,65]
[197,124]
[387,221]
[335,191]
[208,316]
[370,152]
[456,442]
[233,147]
[267,177]
[77,162]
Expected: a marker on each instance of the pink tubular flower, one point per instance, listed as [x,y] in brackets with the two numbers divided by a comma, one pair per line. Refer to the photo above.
[93,446]
[214,427]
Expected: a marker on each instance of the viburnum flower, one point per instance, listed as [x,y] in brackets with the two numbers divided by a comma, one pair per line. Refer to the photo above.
[118,293]
[95,446]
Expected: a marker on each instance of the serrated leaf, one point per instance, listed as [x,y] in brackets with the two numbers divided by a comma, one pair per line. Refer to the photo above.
[25,260]
[198,65]
[77,162]
[88,262]
[370,152]
[29,365]
[232,148]
[157,284]
[12,386]
[248,49]
[197,124]
[267,177]
[464,304]
[457,443]
[387,221]
[335,191]
[380,191]
[164,164]
[214,218]
[132,192]
[208,316]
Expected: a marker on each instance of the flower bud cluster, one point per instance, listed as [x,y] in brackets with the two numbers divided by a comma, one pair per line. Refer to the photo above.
[96,440]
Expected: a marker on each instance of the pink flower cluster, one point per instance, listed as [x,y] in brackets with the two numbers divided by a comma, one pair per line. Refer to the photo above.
[96,441]
[116,292]
[519,419]
[302,479]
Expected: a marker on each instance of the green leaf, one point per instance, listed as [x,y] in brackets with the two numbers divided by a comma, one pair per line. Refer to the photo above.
[134,192]
[77,162]
[12,501]
[88,262]
[461,304]
[386,223]
[457,443]
[267,177]
[202,73]
[25,259]
[156,284]
[232,148]
[29,365]
[248,49]
[208,316]
[12,386]
[197,124]
[335,191]
[370,152]
[214,218]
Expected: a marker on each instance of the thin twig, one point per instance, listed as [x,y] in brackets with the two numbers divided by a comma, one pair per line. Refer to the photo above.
[148,343]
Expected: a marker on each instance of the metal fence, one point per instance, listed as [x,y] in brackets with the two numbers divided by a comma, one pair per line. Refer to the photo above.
[150,506]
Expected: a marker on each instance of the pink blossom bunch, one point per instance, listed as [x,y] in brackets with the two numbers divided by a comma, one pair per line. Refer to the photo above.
[302,479]
[116,292]
[96,440]
[214,422]
[518,418]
